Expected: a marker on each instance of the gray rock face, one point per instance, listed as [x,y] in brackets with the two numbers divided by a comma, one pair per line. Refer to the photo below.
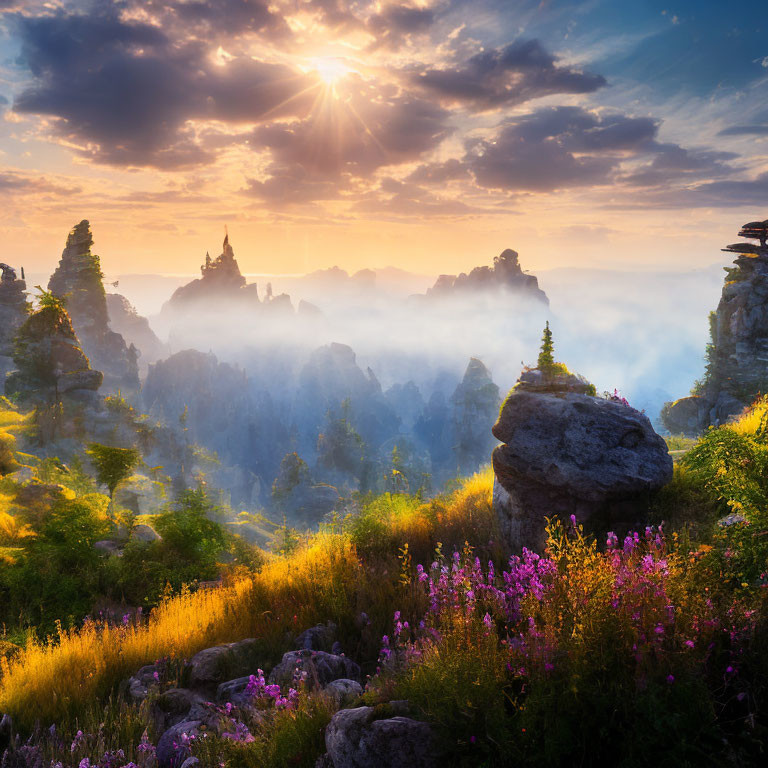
[321,668]
[173,746]
[505,274]
[135,329]
[233,691]
[355,740]
[686,415]
[211,667]
[572,454]
[321,637]
[13,312]
[172,707]
[344,691]
[77,280]
[737,358]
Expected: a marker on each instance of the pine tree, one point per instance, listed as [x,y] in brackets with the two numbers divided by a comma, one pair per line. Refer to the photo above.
[546,357]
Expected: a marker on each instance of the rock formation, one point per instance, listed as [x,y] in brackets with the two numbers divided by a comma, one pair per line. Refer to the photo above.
[48,358]
[568,453]
[220,279]
[77,281]
[332,376]
[475,405]
[220,412]
[505,274]
[737,357]
[135,329]
[14,309]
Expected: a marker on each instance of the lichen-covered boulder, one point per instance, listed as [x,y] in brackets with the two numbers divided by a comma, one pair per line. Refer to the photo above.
[566,453]
[355,739]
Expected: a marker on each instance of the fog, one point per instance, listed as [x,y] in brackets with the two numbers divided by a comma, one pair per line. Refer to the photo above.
[641,332]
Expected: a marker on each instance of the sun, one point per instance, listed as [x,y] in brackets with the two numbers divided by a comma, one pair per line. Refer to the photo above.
[330,69]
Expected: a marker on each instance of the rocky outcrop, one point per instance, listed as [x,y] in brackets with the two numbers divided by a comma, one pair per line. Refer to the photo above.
[220,279]
[356,739]
[318,667]
[14,310]
[135,329]
[506,274]
[567,453]
[737,357]
[331,377]
[474,407]
[77,282]
[48,359]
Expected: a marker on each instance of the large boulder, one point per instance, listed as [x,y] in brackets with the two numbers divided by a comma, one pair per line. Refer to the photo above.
[566,453]
[173,748]
[213,666]
[355,739]
[687,416]
[321,668]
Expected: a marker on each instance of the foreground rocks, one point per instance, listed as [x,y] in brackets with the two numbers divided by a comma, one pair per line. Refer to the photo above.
[356,739]
[567,453]
[181,714]
[318,668]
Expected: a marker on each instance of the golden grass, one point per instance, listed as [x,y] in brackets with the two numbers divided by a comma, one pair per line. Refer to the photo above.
[751,421]
[58,679]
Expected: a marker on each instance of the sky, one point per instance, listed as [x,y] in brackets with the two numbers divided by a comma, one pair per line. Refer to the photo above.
[425,134]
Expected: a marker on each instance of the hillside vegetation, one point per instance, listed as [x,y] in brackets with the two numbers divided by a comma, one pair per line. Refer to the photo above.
[645,649]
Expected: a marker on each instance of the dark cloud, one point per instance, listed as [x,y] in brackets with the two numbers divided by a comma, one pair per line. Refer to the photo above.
[675,164]
[396,23]
[556,148]
[726,193]
[126,92]
[356,137]
[230,16]
[745,130]
[516,73]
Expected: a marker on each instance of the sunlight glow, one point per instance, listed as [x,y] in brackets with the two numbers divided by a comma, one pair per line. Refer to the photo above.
[330,70]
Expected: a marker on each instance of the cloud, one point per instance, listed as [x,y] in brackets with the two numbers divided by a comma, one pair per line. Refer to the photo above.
[125,93]
[14,182]
[309,156]
[230,16]
[675,164]
[745,130]
[439,173]
[395,23]
[506,76]
[725,193]
[558,147]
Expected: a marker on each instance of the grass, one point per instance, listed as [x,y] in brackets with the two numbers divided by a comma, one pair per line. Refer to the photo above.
[323,579]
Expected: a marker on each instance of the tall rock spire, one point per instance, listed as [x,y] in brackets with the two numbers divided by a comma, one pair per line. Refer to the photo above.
[737,356]
[77,281]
